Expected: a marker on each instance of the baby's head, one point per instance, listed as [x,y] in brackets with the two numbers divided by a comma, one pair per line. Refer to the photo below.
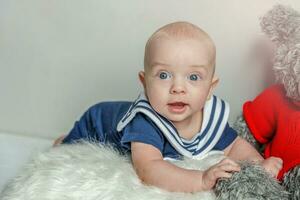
[179,68]
[179,31]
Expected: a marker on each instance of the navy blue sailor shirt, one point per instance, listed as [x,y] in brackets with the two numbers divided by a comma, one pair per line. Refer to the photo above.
[100,124]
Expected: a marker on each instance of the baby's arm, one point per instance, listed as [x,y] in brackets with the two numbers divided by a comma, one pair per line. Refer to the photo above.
[153,170]
[240,149]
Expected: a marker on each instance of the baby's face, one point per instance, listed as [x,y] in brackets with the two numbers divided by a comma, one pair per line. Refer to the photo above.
[179,77]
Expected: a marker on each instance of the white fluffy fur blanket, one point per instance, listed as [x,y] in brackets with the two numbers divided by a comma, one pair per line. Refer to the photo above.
[91,172]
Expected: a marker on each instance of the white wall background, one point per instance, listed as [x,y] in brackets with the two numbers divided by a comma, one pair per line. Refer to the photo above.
[58,57]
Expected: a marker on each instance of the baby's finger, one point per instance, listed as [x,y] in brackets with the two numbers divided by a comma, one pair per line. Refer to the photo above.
[277,159]
[228,167]
[274,173]
[278,166]
[222,174]
[229,161]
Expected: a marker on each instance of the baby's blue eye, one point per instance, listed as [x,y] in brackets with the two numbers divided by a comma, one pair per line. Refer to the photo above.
[194,77]
[164,75]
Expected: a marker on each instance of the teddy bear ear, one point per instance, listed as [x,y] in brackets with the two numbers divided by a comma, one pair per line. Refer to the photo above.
[281,24]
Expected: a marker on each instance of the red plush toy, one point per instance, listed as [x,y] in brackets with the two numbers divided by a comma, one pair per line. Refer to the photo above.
[274,120]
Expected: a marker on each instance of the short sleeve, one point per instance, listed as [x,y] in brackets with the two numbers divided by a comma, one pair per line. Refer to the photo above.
[142,129]
[227,137]
[260,114]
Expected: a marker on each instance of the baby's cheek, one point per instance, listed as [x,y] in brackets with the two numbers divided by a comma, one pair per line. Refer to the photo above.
[203,97]
[157,99]
[199,103]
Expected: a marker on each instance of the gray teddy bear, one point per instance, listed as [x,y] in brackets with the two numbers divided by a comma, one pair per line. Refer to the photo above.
[271,122]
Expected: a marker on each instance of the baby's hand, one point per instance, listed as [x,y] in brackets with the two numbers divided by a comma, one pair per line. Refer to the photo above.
[59,140]
[272,165]
[223,169]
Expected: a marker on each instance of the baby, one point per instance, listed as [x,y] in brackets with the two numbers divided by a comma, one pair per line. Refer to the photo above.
[177,116]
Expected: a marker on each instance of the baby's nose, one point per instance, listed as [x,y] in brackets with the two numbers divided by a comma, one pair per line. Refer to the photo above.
[178,86]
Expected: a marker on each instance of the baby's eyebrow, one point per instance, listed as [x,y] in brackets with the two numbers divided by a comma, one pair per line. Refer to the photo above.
[201,67]
[197,66]
[204,67]
[158,64]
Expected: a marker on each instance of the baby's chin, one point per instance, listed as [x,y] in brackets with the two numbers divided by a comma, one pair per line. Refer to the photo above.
[176,118]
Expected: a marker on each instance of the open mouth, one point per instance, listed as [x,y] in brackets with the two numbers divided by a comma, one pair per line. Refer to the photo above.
[177,107]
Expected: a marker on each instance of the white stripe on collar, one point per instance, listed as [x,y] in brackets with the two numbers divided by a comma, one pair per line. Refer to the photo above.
[215,116]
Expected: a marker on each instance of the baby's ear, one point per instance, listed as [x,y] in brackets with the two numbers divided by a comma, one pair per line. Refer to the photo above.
[142,78]
[214,82]
[213,85]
